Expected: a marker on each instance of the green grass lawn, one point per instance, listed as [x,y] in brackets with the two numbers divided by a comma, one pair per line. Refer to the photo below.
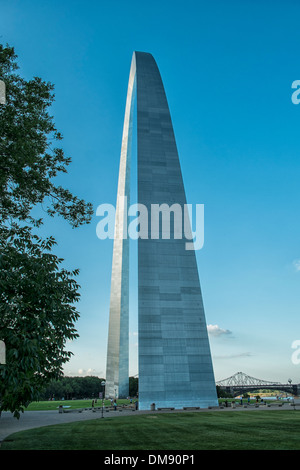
[218,430]
[73,404]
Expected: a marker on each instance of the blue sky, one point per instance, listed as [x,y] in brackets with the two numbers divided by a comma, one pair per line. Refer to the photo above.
[227,68]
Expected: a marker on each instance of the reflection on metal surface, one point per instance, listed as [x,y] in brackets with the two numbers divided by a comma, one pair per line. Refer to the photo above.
[117,367]
[175,366]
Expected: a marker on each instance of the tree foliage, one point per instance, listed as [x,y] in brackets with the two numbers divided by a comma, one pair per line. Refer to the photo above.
[133,386]
[30,158]
[37,295]
[73,388]
[80,387]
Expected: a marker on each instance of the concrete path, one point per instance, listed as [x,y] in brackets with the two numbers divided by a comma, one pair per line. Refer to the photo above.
[35,419]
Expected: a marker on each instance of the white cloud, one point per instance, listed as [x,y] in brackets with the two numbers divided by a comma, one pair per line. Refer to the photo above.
[233,356]
[215,330]
[134,338]
[85,372]
[296,264]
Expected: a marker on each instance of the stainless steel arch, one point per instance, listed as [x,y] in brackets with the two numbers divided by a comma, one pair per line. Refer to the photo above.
[117,363]
[175,366]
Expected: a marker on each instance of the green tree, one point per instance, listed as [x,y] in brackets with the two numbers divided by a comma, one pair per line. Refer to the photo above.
[133,386]
[37,294]
[73,387]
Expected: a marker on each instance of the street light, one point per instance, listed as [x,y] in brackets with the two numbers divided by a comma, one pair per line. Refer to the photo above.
[103,385]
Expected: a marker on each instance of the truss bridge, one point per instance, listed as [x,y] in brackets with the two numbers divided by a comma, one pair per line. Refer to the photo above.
[240,383]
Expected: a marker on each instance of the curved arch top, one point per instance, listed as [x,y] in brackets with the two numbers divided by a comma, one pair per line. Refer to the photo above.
[175,366]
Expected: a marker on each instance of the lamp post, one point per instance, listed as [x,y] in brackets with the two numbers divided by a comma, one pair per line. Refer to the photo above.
[103,385]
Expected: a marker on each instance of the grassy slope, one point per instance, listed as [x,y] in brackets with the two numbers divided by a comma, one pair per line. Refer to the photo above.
[230,430]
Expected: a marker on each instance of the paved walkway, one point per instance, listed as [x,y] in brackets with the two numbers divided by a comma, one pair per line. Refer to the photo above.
[35,419]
